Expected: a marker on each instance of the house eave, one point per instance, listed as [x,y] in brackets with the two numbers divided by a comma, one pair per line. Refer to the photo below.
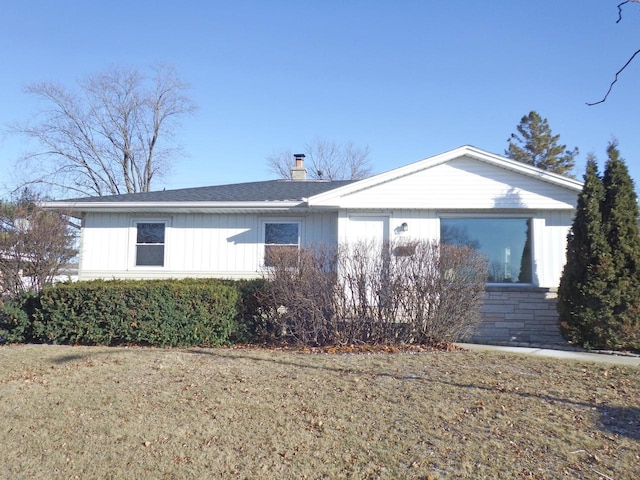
[78,208]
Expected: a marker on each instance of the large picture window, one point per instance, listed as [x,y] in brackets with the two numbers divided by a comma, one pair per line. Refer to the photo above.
[150,244]
[506,242]
[278,238]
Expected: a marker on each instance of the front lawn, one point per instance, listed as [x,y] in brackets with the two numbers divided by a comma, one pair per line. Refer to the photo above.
[97,412]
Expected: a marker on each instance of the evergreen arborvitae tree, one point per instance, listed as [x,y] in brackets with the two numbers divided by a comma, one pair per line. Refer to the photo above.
[588,268]
[620,218]
[535,145]
[599,293]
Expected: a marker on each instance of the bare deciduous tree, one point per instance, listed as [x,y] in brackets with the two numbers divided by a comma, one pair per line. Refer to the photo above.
[112,135]
[34,246]
[633,55]
[326,160]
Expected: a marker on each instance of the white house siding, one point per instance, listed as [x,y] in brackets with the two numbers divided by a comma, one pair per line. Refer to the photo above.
[462,183]
[320,229]
[103,243]
[549,246]
[206,245]
[550,230]
[211,244]
[365,227]
[421,224]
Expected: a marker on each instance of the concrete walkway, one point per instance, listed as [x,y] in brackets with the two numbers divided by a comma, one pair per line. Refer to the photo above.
[604,357]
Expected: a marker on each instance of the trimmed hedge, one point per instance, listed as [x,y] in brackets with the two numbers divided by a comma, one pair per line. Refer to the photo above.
[253,323]
[16,318]
[164,313]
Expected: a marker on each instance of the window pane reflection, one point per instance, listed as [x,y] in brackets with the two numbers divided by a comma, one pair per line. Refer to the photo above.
[506,242]
[281,233]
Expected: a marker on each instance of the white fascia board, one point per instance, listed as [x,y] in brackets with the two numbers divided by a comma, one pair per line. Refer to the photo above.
[168,206]
[530,170]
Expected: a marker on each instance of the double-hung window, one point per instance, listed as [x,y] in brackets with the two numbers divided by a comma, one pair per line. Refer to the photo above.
[150,242]
[280,238]
[505,242]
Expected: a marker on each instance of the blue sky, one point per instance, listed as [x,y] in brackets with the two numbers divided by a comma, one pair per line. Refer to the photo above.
[409,79]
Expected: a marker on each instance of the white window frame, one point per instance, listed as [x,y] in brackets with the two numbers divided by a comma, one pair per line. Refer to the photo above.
[263,236]
[133,250]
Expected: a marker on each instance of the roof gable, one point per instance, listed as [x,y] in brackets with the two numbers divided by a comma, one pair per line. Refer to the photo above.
[462,178]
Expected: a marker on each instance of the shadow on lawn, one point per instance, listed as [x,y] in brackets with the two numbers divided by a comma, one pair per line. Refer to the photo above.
[622,421]
[89,352]
[69,358]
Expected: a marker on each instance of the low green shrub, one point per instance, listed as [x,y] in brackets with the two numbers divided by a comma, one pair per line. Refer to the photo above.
[163,313]
[16,318]
[254,324]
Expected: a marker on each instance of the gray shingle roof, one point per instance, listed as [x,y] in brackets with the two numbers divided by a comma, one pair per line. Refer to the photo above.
[271,190]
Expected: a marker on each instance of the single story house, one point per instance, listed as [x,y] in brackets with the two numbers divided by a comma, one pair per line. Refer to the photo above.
[517,215]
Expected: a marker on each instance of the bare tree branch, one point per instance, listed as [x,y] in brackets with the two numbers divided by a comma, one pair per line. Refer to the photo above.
[620,9]
[604,99]
[615,79]
[326,160]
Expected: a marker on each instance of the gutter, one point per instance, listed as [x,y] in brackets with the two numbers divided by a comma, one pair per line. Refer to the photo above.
[71,207]
[61,204]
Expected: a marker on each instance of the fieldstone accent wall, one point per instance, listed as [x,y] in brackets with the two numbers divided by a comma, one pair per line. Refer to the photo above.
[519,315]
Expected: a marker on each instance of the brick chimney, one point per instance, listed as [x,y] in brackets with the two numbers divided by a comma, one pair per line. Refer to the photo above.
[298,172]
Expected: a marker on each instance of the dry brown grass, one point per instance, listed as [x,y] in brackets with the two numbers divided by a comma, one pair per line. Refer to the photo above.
[81,412]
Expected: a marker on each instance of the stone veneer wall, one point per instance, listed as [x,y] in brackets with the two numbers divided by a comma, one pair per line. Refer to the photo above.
[519,315]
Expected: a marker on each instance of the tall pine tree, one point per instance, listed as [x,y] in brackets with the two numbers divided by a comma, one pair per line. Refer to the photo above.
[536,145]
[587,270]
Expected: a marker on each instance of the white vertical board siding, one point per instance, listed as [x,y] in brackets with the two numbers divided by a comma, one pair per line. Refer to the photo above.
[231,245]
[366,228]
[421,224]
[218,245]
[462,183]
[320,229]
[105,245]
[213,243]
[550,245]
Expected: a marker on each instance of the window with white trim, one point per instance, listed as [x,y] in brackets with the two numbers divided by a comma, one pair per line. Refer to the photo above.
[150,243]
[506,242]
[280,237]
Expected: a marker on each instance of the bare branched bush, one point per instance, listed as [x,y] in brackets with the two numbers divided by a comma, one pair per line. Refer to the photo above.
[363,292]
[34,246]
[367,292]
[419,292]
[301,290]
[455,310]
